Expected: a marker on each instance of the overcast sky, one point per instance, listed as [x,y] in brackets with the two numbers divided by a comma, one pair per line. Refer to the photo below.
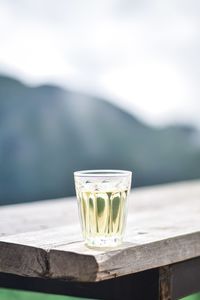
[143,55]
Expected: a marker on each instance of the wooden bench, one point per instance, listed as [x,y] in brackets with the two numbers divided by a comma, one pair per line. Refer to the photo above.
[41,248]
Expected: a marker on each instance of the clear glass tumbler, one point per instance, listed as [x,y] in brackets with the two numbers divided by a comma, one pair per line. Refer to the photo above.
[102,198]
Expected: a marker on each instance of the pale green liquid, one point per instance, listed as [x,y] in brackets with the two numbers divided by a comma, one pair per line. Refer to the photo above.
[102,215]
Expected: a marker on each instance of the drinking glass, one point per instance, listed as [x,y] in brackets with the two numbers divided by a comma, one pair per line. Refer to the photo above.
[102,200]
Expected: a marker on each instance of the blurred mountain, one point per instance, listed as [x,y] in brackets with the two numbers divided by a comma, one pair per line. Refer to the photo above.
[46,133]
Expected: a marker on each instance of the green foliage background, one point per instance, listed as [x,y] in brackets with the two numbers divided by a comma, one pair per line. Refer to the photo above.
[6,294]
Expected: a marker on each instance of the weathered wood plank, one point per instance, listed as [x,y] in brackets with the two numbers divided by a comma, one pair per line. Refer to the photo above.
[22,260]
[54,213]
[39,215]
[165,283]
[163,228]
[180,279]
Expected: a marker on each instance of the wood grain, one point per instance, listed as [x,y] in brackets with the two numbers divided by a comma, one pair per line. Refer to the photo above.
[43,239]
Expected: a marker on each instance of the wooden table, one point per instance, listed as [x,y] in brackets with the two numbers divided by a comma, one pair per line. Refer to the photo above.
[41,248]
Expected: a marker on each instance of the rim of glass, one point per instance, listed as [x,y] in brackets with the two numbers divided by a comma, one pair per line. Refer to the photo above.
[102,173]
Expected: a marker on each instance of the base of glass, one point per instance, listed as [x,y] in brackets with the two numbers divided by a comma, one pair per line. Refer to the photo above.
[103,241]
